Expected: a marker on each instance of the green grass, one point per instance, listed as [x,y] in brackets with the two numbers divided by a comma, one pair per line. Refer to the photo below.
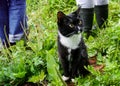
[40,64]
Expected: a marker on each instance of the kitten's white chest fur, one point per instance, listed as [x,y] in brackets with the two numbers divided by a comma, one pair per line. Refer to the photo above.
[71,42]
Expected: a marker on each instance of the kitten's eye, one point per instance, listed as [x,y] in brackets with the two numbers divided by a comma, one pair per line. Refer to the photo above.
[71,25]
[80,22]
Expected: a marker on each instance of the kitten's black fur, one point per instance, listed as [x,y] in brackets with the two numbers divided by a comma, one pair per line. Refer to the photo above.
[68,26]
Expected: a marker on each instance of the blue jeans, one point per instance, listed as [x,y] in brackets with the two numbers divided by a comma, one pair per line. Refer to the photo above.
[12,20]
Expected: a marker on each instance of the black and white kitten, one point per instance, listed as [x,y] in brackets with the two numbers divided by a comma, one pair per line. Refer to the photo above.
[71,48]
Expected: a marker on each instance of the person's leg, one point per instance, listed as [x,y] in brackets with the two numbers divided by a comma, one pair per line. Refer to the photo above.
[17,20]
[86,13]
[101,11]
[4,22]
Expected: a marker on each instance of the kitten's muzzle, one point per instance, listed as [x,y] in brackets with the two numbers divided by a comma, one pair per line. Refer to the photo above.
[80,29]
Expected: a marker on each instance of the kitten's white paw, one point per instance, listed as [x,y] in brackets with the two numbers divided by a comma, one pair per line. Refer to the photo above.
[65,78]
[73,80]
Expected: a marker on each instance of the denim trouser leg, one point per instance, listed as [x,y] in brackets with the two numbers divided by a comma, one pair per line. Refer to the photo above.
[4,21]
[17,20]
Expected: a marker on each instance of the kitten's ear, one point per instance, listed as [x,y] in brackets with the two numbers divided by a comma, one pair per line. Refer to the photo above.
[60,15]
[78,10]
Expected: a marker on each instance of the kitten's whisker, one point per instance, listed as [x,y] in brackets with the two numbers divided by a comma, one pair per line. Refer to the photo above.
[71,34]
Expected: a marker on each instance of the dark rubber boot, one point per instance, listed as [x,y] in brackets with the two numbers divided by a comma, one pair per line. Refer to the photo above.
[87,17]
[101,12]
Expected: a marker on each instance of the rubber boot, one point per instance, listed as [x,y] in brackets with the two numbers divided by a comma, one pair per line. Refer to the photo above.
[86,13]
[87,17]
[101,12]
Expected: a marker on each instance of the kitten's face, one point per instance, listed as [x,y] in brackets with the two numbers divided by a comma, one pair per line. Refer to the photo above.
[71,24]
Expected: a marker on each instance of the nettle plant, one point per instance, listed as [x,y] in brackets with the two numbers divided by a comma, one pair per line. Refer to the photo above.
[38,61]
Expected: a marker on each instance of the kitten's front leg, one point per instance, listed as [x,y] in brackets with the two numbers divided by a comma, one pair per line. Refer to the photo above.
[75,63]
[74,68]
[63,55]
[65,66]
